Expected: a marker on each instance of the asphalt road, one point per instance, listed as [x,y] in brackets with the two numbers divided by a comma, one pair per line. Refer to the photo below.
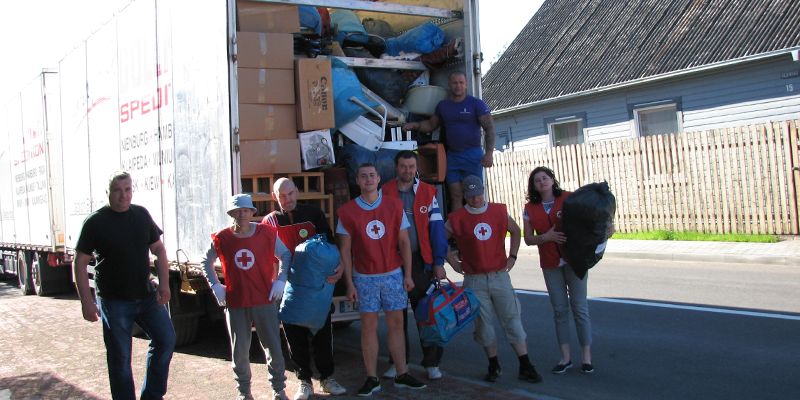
[662,330]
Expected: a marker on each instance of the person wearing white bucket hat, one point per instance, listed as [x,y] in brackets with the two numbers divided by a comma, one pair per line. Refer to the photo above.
[251,294]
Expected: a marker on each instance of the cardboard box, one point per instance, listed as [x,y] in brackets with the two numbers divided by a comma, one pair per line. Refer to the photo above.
[316,149]
[432,165]
[266,86]
[263,157]
[265,50]
[261,17]
[262,122]
[314,94]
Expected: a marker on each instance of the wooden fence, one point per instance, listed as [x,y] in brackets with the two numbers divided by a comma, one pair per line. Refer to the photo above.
[737,180]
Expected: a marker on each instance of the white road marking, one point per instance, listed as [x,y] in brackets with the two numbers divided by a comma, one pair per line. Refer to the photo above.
[680,307]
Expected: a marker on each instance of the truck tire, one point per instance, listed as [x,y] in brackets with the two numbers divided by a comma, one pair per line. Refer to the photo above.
[37,274]
[24,273]
[185,328]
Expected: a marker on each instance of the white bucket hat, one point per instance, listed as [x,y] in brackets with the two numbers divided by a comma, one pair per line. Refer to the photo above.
[238,201]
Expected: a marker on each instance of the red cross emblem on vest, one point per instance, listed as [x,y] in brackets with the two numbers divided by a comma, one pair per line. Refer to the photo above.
[244,259]
[375,229]
[483,231]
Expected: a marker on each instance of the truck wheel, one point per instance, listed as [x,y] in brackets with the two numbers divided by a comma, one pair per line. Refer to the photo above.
[37,274]
[24,273]
[185,328]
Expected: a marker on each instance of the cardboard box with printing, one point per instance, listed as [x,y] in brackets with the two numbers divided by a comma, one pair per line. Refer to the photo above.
[265,50]
[261,17]
[266,121]
[266,86]
[314,94]
[263,157]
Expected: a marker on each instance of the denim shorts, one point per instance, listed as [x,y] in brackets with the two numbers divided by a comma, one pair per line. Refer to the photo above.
[461,164]
[381,292]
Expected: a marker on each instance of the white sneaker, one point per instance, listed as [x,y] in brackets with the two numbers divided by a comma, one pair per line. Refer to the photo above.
[279,395]
[304,392]
[434,373]
[245,396]
[331,386]
[391,373]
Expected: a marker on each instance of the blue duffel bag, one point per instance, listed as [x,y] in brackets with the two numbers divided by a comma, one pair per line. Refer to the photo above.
[447,310]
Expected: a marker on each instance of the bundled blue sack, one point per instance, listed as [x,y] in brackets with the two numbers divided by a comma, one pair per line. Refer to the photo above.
[445,312]
[310,18]
[345,86]
[424,39]
[347,25]
[353,155]
[307,297]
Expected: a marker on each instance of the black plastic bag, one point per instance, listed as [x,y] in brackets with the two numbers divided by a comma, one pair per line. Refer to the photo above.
[586,217]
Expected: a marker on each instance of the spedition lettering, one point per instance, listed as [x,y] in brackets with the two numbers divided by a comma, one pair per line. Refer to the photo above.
[144,105]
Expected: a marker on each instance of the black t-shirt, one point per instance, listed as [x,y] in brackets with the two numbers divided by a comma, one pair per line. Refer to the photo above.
[120,242]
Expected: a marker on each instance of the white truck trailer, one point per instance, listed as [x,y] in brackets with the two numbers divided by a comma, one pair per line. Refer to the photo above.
[154,91]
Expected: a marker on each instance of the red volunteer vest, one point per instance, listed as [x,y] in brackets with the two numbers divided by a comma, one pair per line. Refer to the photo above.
[293,235]
[374,235]
[248,265]
[481,238]
[541,222]
[423,199]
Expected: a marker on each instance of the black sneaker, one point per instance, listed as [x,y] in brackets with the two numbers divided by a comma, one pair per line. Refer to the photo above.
[493,374]
[408,381]
[529,374]
[371,386]
[587,369]
[561,368]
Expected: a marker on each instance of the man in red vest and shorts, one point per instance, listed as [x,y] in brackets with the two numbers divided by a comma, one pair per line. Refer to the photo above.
[376,256]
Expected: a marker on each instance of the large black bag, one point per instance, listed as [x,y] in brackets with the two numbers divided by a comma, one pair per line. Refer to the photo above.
[586,216]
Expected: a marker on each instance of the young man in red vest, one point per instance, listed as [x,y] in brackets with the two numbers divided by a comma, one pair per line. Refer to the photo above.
[296,223]
[376,255]
[251,296]
[480,229]
[428,244]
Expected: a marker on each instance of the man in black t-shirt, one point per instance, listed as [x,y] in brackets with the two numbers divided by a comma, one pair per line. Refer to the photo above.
[296,223]
[120,236]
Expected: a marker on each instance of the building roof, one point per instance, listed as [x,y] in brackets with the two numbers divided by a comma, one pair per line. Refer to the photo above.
[574,46]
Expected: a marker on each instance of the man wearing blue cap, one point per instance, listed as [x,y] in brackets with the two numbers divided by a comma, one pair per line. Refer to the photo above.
[251,296]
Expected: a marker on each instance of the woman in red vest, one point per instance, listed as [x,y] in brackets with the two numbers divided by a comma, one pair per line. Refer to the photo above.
[542,224]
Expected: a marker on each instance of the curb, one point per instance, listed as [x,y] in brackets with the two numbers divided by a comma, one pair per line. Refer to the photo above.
[698,257]
[722,258]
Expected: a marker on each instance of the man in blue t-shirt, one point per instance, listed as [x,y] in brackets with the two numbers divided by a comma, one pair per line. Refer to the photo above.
[463,116]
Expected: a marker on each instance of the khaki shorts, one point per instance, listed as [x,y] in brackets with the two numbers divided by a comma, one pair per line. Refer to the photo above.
[498,299]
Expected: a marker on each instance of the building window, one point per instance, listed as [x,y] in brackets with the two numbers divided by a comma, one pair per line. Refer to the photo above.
[657,118]
[567,130]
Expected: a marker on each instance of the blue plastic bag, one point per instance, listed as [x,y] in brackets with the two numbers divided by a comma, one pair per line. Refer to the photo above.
[310,18]
[345,86]
[424,39]
[347,24]
[307,298]
[354,155]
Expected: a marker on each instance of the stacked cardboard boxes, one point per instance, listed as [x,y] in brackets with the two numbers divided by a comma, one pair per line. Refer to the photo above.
[279,96]
[267,127]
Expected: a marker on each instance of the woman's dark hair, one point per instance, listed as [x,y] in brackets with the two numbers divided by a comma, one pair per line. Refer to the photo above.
[533,196]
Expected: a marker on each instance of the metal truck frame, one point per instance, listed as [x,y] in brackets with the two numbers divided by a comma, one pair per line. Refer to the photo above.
[154,91]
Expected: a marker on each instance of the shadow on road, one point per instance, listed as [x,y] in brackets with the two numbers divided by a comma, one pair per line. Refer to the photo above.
[40,386]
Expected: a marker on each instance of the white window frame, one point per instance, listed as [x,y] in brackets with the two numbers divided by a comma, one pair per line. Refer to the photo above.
[579,118]
[656,106]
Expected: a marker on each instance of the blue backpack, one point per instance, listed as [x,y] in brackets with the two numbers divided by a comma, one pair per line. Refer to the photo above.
[444,312]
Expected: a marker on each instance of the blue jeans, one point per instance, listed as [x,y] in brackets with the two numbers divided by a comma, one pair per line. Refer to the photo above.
[118,317]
